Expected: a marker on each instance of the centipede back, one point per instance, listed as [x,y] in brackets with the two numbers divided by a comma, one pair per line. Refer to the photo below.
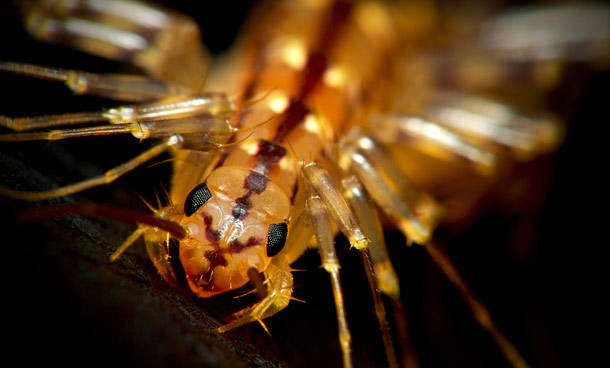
[69,304]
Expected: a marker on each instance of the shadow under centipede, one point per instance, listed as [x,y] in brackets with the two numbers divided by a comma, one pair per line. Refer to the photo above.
[66,303]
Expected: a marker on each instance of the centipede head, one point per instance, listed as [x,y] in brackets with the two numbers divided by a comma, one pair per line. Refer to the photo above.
[236,221]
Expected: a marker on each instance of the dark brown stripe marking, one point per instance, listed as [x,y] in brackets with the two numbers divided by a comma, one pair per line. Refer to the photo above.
[294,115]
[216,257]
[267,156]
[316,66]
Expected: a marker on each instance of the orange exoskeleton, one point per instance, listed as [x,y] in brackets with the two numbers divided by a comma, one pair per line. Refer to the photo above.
[326,115]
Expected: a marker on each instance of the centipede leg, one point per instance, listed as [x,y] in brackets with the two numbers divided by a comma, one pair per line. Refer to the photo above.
[106,178]
[416,217]
[123,87]
[279,293]
[380,273]
[165,43]
[326,247]
[355,229]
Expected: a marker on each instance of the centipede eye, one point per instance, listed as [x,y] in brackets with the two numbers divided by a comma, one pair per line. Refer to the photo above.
[276,238]
[196,198]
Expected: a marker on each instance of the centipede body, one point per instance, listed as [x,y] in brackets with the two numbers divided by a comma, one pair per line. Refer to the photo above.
[75,269]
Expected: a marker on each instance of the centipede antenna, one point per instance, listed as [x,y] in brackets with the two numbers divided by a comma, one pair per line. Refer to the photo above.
[104,211]
[478,309]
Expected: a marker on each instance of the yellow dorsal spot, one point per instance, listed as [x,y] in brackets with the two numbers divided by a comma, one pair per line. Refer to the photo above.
[250,146]
[374,20]
[278,101]
[294,53]
[335,77]
[312,124]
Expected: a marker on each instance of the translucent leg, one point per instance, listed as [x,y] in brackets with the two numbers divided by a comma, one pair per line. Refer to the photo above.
[326,247]
[121,87]
[416,216]
[492,121]
[478,309]
[55,135]
[279,294]
[108,177]
[413,212]
[323,185]
[164,43]
[430,138]
[39,122]
[380,273]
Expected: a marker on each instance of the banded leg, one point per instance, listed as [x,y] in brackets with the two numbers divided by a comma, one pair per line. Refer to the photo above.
[164,43]
[416,216]
[108,177]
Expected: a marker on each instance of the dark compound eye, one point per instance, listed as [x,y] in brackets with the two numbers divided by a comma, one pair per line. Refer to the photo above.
[196,198]
[276,238]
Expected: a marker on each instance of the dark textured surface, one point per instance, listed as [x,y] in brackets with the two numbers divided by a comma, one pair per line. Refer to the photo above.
[65,303]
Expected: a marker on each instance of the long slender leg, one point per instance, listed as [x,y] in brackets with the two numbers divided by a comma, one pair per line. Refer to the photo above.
[108,177]
[494,122]
[352,226]
[478,309]
[163,42]
[380,273]
[416,218]
[279,294]
[323,185]
[123,87]
[326,247]
[59,134]
[39,122]
[431,138]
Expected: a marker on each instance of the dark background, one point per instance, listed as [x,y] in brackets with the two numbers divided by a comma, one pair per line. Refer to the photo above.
[65,303]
